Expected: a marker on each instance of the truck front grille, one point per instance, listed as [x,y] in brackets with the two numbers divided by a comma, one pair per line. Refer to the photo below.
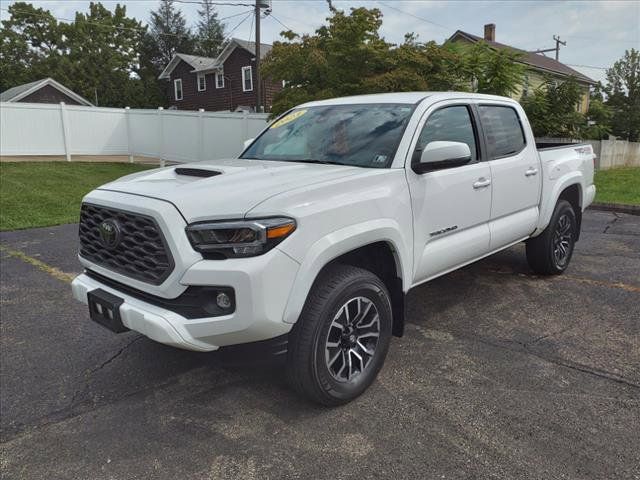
[127,243]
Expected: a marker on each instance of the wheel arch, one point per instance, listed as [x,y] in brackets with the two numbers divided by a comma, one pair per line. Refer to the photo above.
[569,188]
[381,251]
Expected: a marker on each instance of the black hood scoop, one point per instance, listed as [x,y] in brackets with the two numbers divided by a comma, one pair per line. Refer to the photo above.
[197,172]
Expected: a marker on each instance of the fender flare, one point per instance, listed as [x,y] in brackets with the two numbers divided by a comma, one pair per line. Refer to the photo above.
[342,241]
[546,208]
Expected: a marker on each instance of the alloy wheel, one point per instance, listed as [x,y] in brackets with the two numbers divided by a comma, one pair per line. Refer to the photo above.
[352,339]
[562,241]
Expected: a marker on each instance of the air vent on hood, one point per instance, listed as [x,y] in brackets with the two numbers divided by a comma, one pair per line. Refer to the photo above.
[197,172]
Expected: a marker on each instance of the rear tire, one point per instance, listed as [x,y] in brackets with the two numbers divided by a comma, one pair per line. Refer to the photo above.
[340,341]
[550,252]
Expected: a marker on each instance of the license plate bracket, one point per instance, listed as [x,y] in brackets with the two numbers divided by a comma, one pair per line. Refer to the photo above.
[104,309]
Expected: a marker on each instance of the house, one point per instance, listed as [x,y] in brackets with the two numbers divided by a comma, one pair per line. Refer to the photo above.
[224,83]
[537,66]
[46,90]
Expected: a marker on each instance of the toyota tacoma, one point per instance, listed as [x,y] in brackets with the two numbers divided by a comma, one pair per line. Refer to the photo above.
[308,242]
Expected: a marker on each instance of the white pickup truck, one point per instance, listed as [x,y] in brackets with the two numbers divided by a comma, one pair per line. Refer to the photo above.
[307,243]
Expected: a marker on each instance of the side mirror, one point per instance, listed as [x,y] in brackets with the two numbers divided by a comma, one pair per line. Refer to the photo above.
[248,142]
[438,155]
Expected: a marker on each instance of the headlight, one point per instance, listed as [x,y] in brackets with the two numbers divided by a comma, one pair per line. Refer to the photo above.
[239,238]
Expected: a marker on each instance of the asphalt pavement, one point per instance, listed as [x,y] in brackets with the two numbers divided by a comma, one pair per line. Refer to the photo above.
[500,374]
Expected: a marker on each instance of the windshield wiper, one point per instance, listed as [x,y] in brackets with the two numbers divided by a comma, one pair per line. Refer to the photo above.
[320,162]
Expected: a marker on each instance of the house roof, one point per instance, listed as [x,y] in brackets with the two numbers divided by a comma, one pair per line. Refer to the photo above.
[17,93]
[207,64]
[535,60]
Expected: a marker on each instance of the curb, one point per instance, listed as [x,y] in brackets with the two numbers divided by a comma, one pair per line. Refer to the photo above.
[615,207]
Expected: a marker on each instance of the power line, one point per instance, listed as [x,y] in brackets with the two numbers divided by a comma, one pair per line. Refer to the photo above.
[416,16]
[116,27]
[228,35]
[276,19]
[200,2]
[251,28]
[587,66]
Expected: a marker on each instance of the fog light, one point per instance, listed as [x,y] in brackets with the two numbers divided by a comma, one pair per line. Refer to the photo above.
[223,300]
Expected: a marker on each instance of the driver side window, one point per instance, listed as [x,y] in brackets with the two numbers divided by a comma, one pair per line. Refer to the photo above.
[450,124]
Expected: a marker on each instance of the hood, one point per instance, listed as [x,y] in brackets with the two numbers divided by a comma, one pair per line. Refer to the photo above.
[220,189]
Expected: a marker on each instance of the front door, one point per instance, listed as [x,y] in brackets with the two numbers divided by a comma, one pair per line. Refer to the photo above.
[451,207]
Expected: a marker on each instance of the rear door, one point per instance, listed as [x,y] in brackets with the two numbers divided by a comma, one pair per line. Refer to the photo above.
[451,206]
[515,172]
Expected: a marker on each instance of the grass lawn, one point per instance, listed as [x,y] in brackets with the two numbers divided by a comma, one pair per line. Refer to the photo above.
[39,194]
[618,185]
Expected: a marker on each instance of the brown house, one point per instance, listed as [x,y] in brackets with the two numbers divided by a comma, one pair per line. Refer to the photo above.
[46,90]
[224,83]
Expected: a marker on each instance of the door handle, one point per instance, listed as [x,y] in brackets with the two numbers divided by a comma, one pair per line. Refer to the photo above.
[531,172]
[482,183]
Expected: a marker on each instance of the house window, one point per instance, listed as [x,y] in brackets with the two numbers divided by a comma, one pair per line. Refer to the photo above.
[219,79]
[177,88]
[247,79]
[202,82]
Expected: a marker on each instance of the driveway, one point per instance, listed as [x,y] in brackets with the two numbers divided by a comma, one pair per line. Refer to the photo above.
[501,374]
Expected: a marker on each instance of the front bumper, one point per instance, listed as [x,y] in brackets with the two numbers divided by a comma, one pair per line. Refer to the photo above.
[261,284]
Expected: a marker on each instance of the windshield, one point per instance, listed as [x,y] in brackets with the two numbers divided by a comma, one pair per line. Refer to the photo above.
[364,135]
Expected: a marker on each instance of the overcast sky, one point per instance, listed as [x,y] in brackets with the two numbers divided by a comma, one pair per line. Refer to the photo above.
[597,32]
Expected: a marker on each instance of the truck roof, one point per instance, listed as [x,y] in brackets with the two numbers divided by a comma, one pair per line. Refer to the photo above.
[401,97]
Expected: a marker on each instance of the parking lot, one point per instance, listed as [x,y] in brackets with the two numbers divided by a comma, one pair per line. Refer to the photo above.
[501,374]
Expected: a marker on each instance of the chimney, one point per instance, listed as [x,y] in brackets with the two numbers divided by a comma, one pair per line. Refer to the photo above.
[490,32]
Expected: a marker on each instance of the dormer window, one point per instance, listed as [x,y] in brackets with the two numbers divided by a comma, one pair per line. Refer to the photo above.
[202,82]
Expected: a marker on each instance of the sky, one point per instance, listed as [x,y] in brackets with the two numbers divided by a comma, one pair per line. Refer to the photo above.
[597,32]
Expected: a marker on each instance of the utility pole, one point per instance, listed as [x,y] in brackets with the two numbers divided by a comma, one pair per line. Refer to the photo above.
[559,42]
[258,79]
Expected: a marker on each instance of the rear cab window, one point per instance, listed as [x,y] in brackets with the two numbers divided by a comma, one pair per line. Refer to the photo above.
[502,129]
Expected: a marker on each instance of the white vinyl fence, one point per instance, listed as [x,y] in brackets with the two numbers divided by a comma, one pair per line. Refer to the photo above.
[609,153]
[176,135]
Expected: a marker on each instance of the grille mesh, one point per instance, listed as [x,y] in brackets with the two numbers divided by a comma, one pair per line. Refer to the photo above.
[142,252]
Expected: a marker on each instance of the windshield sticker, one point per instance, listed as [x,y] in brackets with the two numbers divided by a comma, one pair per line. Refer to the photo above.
[288,118]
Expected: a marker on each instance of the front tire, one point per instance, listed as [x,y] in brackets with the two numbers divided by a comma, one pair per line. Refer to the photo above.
[340,341]
[550,252]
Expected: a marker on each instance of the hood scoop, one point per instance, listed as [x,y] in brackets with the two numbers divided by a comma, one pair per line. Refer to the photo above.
[196,172]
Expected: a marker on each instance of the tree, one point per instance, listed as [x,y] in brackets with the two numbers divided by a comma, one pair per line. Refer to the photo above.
[623,90]
[168,34]
[349,57]
[97,55]
[551,109]
[598,117]
[102,50]
[210,31]
[31,46]
[492,71]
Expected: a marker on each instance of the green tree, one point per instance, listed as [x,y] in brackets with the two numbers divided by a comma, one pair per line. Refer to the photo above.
[492,71]
[598,117]
[335,61]
[31,46]
[349,57]
[168,34]
[102,52]
[623,90]
[97,55]
[210,31]
[552,109]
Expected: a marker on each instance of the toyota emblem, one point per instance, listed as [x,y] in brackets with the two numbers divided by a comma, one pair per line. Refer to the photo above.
[110,233]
